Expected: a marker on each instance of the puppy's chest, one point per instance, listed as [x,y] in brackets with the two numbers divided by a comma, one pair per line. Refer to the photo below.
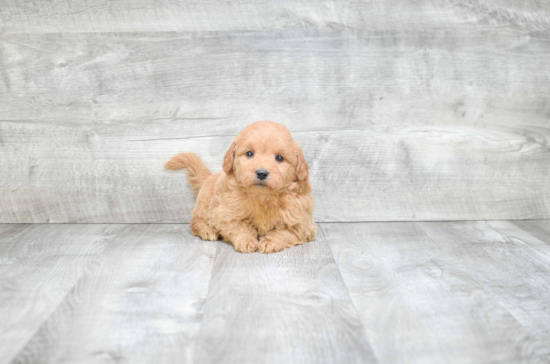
[267,215]
[266,220]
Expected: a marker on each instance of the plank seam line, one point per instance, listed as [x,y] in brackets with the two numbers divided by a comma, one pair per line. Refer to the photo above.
[487,288]
[61,302]
[193,346]
[349,295]
[507,237]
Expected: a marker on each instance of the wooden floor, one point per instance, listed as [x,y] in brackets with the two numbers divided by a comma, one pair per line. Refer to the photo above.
[393,292]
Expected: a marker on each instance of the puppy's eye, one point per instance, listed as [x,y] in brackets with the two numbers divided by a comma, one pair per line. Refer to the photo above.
[250,154]
[279,158]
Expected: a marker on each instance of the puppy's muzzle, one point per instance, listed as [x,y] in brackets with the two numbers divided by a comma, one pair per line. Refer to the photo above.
[262,174]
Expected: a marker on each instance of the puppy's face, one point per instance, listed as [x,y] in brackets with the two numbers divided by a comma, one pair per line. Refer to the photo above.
[265,157]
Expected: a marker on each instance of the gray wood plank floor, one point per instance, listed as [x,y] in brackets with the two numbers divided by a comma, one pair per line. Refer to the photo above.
[291,307]
[141,300]
[386,292]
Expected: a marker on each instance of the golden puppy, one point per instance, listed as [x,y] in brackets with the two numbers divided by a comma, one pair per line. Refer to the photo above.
[262,200]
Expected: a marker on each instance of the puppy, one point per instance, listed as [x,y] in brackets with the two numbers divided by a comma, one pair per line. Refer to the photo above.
[262,200]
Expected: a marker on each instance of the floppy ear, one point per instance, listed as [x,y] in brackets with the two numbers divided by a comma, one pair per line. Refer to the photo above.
[229,158]
[302,169]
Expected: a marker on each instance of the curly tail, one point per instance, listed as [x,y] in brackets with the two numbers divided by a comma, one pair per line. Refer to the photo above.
[198,172]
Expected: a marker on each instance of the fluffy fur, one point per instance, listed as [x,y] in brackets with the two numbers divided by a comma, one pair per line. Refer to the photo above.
[234,204]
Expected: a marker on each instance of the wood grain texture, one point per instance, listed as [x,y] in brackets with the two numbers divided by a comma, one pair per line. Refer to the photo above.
[38,268]
[396,125]
[407,174]
[328,80]
[169,15]
[141,302]
[288,307]
[538,228]
[444,292]
[424,292]
[9,234]
[526,293]
[512,267]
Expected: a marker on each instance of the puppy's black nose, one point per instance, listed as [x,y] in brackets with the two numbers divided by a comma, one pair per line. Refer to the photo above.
[262,174]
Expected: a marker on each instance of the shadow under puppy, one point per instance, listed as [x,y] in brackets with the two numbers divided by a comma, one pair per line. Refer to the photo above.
[262,200]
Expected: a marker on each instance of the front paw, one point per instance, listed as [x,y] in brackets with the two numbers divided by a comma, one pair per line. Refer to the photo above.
[246,245]
[209,234]
[269,245]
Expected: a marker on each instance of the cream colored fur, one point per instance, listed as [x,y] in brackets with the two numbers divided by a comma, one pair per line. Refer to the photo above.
[265,216]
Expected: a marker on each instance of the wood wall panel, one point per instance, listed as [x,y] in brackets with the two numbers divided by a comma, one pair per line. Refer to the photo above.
[20,16]
[63,173]
[396,124]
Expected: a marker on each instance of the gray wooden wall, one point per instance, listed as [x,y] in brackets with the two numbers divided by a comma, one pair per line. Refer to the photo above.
[406,110]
